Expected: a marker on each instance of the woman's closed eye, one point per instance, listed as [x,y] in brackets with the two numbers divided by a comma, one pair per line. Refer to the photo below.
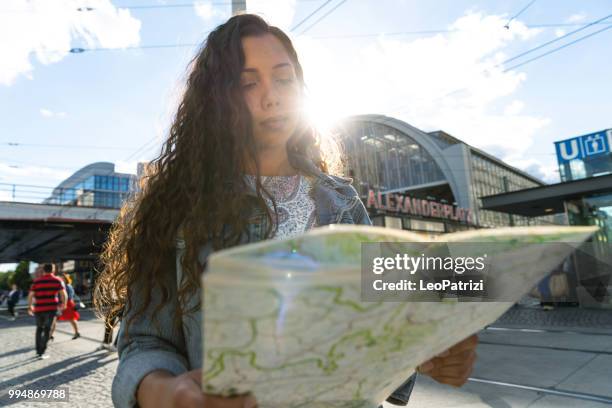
[248,85]
[285,81]
[252,84]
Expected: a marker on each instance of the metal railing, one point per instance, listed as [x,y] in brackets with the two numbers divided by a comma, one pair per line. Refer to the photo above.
[99,198]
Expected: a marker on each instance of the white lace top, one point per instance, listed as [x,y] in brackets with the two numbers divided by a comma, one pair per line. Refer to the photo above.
[294,204]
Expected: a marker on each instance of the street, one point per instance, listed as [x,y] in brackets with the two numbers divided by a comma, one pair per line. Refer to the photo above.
[529,358]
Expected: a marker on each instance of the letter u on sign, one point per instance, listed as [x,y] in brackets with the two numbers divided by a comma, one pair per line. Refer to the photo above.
[569,150]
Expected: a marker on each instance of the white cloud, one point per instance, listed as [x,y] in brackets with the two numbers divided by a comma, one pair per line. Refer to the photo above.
[49,29]
[279,13]
[206,10]
[559,32]
[514,108]
[21,177]
[25,171]
[454,82]
[548,172]
[50,114]
[576,18]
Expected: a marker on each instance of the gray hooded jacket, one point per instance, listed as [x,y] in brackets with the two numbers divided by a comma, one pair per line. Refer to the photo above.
[153,347]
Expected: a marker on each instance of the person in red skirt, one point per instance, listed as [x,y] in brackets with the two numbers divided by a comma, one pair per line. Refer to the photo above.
[70,314]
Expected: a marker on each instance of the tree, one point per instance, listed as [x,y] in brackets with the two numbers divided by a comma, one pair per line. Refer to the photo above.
[22,275]
[6,279]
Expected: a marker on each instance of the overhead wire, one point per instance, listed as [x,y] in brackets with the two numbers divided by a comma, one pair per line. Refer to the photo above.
[440,31]
[144,148]
[362,35]
[17,144]
[519,13]
[323,16]
[401,108]
[86,8]
[584,37]
[78,50]
[529,51]
[310,15]
[185,5]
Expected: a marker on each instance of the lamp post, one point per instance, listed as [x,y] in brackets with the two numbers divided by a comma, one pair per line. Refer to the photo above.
[238,6]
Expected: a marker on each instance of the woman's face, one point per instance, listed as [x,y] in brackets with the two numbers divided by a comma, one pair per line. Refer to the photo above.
[271,90]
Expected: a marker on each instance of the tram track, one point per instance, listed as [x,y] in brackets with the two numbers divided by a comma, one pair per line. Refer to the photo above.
[552,390]
[495,343]
[547,390]
[564,331]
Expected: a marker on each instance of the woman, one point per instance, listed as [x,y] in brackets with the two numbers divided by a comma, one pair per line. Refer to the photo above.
[69,314]
[240,165]
[12,300]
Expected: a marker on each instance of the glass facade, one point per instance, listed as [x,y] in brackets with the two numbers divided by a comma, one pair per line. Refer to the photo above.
[382,158]
[586,167]
[593,210]
[595,278]
[103,191]
[489,178]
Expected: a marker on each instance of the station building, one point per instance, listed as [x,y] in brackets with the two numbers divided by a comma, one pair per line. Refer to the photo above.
[430,182]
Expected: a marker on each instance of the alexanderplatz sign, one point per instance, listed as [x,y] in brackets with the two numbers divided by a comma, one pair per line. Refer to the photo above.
[404,204]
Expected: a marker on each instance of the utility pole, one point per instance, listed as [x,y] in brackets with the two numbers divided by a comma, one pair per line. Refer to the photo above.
[238,6]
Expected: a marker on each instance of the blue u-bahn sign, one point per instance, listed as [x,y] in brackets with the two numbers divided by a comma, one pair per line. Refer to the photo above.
[585,146]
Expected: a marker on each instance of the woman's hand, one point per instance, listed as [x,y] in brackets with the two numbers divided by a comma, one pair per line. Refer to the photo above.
[454,366]
[243,401]
[162,389]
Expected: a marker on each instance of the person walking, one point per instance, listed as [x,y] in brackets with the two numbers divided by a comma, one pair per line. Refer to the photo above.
[70,313]
[47,297]
[11,301]
[109,327]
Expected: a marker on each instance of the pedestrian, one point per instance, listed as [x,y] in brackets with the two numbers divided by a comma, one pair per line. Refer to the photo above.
[109,327]
[46,298]
[70,313]
[11,301]
[241,164]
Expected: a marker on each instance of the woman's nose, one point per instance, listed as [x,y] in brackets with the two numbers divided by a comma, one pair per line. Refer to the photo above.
[270,97]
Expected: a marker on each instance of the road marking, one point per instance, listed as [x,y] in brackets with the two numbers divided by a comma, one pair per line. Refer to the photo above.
[547,390]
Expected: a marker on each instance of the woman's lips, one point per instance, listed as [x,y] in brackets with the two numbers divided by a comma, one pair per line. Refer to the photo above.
[275,123]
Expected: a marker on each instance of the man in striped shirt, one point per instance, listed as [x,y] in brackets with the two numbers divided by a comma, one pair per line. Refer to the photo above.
[49,296]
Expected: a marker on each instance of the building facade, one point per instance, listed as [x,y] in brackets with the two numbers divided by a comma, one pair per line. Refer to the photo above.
[428,182]
[95,185]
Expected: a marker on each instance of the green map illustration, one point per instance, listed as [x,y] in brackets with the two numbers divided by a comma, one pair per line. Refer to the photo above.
[284,319]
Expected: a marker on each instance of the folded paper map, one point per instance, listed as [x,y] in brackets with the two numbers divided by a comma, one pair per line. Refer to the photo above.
[285,320]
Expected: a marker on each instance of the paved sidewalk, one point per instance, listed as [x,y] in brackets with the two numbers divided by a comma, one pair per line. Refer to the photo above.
[73,363]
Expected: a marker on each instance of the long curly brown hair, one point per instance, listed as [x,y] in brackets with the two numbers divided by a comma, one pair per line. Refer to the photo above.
[195,187]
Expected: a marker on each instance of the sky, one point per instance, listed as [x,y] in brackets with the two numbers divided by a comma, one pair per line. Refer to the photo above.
[436,64]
